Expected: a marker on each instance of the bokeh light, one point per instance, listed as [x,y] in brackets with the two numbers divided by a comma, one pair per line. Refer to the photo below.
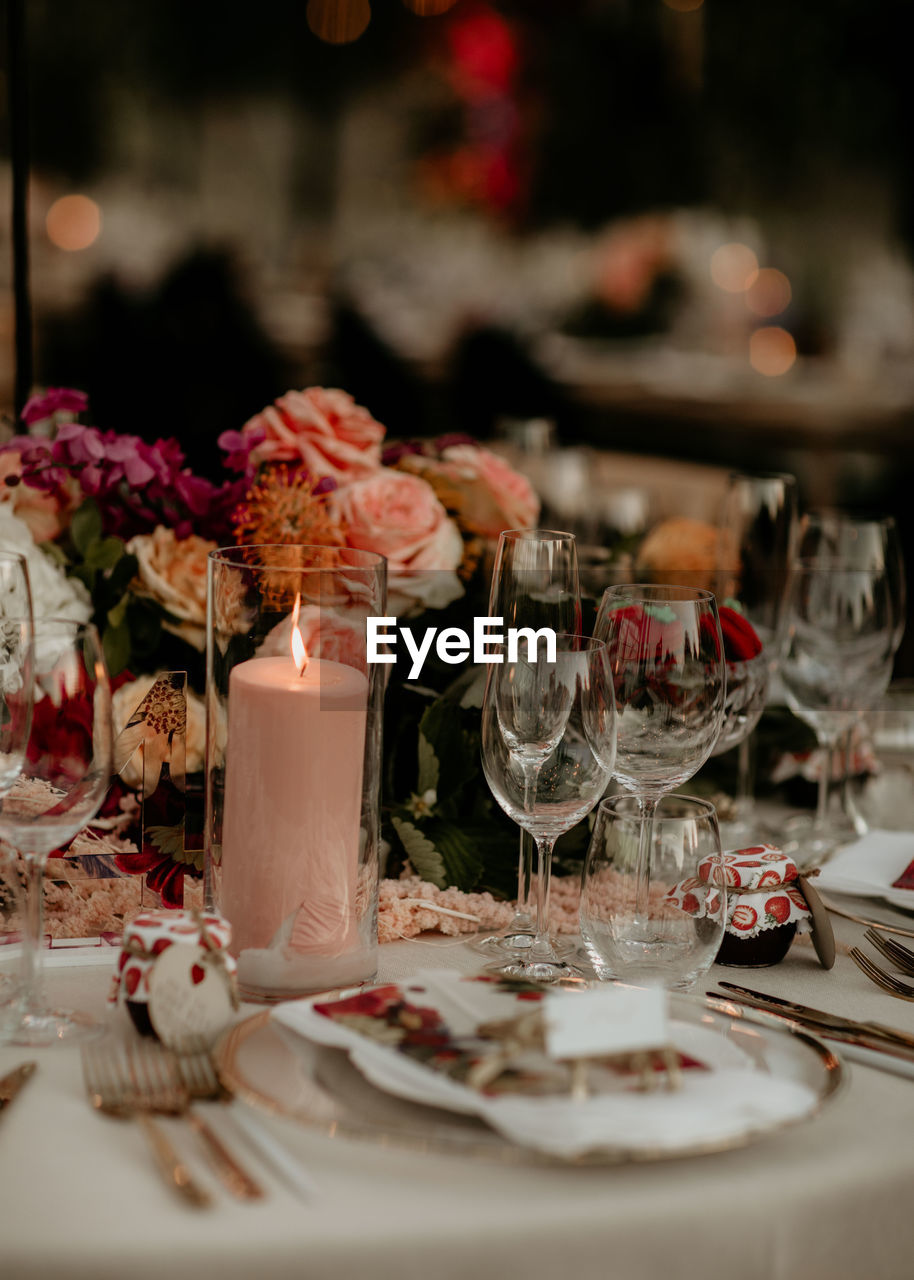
[734,267]
[772,351]
[684,6]
[338,21]
[73,222]
[431,8]
[769,294]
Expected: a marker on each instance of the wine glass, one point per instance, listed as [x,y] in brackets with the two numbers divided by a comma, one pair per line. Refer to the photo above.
[686,907]
[548,744]
[757,543]
[837,662]
[534,584]
[866,543]
[61,785]
[666,652]
[15,677]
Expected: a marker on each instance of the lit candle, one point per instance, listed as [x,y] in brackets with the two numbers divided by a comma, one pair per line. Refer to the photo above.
[292,817]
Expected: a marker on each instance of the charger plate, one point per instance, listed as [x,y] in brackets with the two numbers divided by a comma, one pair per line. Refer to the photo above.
[282,1072]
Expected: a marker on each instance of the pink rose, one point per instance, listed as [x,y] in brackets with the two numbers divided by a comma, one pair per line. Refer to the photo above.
[323,429]
[512,501]
[45,512]
[398,516]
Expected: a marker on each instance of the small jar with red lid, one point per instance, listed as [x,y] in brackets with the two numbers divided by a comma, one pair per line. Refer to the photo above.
[765,905]
[150,934]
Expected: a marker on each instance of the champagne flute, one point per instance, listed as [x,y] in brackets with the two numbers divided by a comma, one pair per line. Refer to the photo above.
[548,744]
[61,785]
[16,656]
[837,662]
[758,536]
[534,584]
[666,652]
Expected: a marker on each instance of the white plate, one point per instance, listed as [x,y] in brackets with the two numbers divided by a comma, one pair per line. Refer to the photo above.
[773,1078]
[868,868]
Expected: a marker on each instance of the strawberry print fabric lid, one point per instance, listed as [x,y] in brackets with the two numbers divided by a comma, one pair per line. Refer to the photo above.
[761,891]
[152,932]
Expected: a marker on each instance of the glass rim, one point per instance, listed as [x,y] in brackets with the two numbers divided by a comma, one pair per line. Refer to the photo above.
[850,518]
[705,807]
[535,535]
[835,564]
[348,557]
[646,590]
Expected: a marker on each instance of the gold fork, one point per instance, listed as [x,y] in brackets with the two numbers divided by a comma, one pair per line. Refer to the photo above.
[887,981]
[132,1088]
[902,957]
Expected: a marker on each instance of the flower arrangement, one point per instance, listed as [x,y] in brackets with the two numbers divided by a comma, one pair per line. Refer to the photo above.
[118,530]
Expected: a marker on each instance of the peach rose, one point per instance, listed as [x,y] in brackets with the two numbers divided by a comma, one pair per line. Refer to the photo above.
[172,572]
[485,494]
[323,428]
[398,516]
[46,514]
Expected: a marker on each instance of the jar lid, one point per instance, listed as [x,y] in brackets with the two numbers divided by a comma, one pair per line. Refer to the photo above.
[760,866]
[152,932]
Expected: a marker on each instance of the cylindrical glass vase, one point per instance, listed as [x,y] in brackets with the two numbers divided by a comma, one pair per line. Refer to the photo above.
[293,763]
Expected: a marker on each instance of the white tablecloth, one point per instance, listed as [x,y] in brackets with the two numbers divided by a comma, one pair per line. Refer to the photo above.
[831,1198]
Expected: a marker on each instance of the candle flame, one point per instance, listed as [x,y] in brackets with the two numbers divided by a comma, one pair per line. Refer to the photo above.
[299,652]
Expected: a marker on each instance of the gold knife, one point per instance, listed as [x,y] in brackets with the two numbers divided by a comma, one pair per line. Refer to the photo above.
[819,1017]
[13,1082]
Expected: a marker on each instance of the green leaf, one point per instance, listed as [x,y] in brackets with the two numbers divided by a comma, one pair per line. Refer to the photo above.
[168,840]
[122,574]
[117,615]
[429,770]
[104,553]
[425,858]
[462,864]
[458,760]
[116,647]
[475,690]
[86,525]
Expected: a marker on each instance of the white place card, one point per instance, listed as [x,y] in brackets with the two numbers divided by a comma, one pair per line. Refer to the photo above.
[606,1020]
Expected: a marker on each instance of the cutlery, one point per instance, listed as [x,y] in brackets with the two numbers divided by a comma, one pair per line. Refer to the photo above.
[902,957]
[887,981]
[820,1018]
[881,1055]
[204,1081]
[871,924]
[131,1090]
[13,1082]
[198,1076]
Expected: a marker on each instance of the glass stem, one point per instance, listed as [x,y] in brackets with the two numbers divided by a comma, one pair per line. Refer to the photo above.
[648,807]
[823,796]
[542,946]
[31,962]
[523,917]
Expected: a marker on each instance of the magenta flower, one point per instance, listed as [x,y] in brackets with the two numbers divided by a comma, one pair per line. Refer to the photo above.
[54,400]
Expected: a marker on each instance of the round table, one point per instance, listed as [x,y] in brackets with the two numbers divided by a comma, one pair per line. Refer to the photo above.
[79,1196]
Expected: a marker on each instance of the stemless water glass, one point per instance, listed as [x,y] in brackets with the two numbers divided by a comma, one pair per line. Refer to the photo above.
[534,584]
[673,937]
[61,785]
[837,663]
[548,743]
[669,674]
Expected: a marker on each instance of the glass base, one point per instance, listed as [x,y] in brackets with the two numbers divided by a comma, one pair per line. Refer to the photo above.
[556,971]
[513,945]
[39,1029]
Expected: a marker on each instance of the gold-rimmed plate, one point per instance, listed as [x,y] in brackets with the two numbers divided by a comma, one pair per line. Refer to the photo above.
[280,1071]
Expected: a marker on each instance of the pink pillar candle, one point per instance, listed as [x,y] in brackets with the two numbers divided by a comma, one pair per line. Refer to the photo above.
[292,816]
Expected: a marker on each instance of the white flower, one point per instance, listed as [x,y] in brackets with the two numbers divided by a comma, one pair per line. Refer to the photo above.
[54,595]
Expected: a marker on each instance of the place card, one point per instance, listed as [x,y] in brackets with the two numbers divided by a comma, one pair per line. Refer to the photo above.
[604,1021]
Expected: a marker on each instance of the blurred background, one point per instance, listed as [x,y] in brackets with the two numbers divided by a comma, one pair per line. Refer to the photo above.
[677,229]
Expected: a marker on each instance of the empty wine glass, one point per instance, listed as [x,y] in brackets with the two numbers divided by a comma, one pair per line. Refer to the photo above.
[837,662]
[62,783]
[548,743]
[686,906]
[757,544]
[666,653]
[864,543]
[534,584]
